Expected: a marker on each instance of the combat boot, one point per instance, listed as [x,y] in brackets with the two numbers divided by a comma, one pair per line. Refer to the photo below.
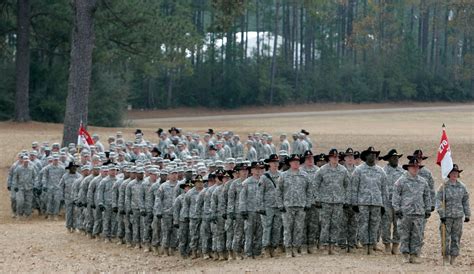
[446,259]
[330,249]
[312,249]
[406,258]
[376,248]
[240,256]
[215,256]
[221,256]
[231,256]
[146,248]
[395,248]
[452,261]
[414,259]
[388,249]
[194,254]
[206,256]
[295,252]
[289,252]
[304,250]
[266,253]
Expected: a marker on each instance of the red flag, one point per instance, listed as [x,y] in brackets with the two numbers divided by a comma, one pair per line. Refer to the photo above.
[444,158]
[83,137]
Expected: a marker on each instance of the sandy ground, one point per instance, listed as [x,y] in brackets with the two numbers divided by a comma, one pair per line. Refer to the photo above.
[40,245]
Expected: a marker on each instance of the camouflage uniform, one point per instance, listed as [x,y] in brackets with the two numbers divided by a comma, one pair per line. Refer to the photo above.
[252,155]
[248,204]
[10,188]
[120,229]
[332,184]
[457,206]
[411,196]
[180,218]
[271,220]
[135,198]
[208,227]
[96,220]
[66,186]
[78,207]
[51,177]
[88,211]
[104,194]
[191,201]
[218,210]
[348,235]
[124,210]
[369,192]
[229,222]
[164,208]
[312,227]
[389,220]
[233,213]
[426,174]
[23,181]
[293,195]
[149,223]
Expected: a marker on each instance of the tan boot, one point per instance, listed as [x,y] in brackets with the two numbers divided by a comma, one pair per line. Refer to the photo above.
[272,252]
[289,252]
[206,256]
[295,252]
[406,258]
[395,248]
[240,255]
[266,253]
[221,256]
[312,249]
[376,248]
[388,248]
[452,261]
[304,250]
[231,256]
[414,259]
[215,256]
[446,260]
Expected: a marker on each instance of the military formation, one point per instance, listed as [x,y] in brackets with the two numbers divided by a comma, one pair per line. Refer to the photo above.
[224,199]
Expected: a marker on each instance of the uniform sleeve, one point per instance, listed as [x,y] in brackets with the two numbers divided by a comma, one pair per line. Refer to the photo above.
[231,199]
[141,198]
[355,187]
[431,190]
[279,192]
[243,198]
[318,180]
[214,204]
[427,198]
[176,210]
[397,194]
[384,184]
[62,185]
[309,194]
[199,204]
[128,198]
[439,202]
[347,189]
[90,194]
[261,189]
[158,210]
[100,192]
[465,204]
[186,205]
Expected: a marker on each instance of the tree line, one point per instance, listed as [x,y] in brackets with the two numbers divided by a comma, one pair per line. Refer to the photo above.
[226,54]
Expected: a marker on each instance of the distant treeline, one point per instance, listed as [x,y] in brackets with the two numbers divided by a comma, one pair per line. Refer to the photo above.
[222,53]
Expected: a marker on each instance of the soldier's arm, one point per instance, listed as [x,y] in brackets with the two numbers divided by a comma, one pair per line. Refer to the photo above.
[396,197]
[128,193]
[214,204]
[465,204]
[355,185]
[186,204]
[439,201]
[158,202]
[100,192]
[347,189]
[318,180]
[431,185]
[231,199]
[279,192]
[427,198]
[261,189]
[176,210]
[384,190]
[243,198]
[141,198]
[199,204]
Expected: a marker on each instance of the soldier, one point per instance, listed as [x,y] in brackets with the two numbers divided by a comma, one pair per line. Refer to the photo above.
[23,180]
[51,178]
[92,199]
[152,183]
[80,211]
[135,198]
[251,152]
[124,207]
[118,218]
[284,144]
[321,160]
[105,199]
[389,220]
[348,237]
[10,182]
[84,200]
[233,209]
[193,214]
[181,219]
[369,195]
[156,224]
[66,186]
[219,212]
[238,148]
[207,227]
[268,207]
[452,204]
[411,202]
[312,223]
[332,184]
[229,222]
[163,210]
[294,198]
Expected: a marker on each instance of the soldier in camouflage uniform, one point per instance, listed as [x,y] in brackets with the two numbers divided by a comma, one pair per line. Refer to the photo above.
[191,204]
[452,204]
[369,195]
[105,201]
[268,207]
[80,210]
[412,204]
[332,183]
[135,201]
[294,197]
[10,182]
[312,226]
[219,213]
[92,199]
[181,219]
[163,210]
[390,234]
[156,223]
[66,186]
[120,233]
[248,207]
[151,186]
[124,206]
[51,178]
[23,180]
[83,199]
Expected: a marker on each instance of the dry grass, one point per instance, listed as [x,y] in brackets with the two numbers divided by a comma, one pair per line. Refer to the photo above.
[47,245]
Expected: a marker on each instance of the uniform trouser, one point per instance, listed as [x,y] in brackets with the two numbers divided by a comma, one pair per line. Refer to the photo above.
[54,200]
[120,225]
[370,218]
[194,231]
[218,235]
[389,227]
[79,217]
[311,229]
[24,202]
[97,222]
[69,206]
[253,234]
[113,219]
[348,230]
[13,201]
[229,233]
[238,241]
[331,221]
[293,222]
[127,221]
[156,231]
[410,228]
[453,235]
[44,202]
[183,236]
[205,235]
[37,201]
[107,222]
[147,228]
[168,233]
[135,220]
[89,219]
[272,225]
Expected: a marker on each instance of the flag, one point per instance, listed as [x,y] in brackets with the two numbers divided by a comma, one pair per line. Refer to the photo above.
[444,159]
[83,138]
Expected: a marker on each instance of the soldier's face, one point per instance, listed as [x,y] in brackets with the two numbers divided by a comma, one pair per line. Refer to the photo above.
[349,159]
[199,185]
[243,173]
[113,172]
[273,165]
[153,177]
[294,165]
[413,170]
[370,159]
[95,172]
[393,161]
[334,160]
[86,172]
[173,176]
[453,176]
[140,176]
[309,161]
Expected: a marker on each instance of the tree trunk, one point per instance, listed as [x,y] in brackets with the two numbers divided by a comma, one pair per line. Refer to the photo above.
[169,97]
[80,69]
[275,44]
[22,57]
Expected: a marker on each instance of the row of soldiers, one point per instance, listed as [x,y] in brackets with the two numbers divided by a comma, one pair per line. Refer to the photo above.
[237,209]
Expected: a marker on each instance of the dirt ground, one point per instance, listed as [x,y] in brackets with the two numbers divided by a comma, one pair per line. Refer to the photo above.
[40,245]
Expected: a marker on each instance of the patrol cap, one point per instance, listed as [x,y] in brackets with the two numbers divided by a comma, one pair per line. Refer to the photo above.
[25,158]
[140,170]
[55,156]
[86,167]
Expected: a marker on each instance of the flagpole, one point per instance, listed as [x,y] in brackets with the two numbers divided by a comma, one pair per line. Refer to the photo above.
[443,225]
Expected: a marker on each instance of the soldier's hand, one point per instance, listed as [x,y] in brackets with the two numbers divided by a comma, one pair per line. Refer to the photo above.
[224,216]
[176,225]
[318,205]
[282,209]
[93,206]
[45,189]
[232,215]
[427,215]
[115,209]
[84,204]
[159,216]
[355,208]
[16,189]
[399,214]
[466,219]
[382,210]
[306,208]
[432,208]
[142,213]
[213,220]
[186,219]
[245,215]
[9,188]
[101,207]
[122,212]
[345,206]
[262,212]
[443,220]
[79,204]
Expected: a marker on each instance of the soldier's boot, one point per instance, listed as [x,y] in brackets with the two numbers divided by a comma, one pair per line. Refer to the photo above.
[304,250]
[395,248]
[359,245]
[388,248]
[266,253]
[312,249]
[406,258]
[295,252]
[206,256]
[56,217]
[350,249]
[194,254]
[369,249]
[171,251]
[120,242]
[215,256]
[221,256]
[137,246]
[146,248]
[446,259]
[452,261]
[414,259]
[289,252]
[376,248]
[240,255]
